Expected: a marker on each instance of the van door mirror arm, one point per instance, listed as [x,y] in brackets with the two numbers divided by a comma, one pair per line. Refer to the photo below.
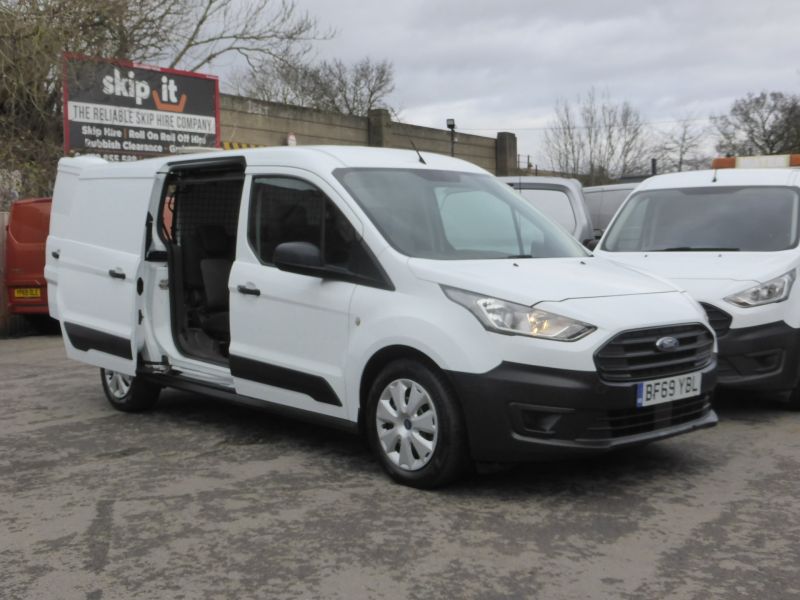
[305,258]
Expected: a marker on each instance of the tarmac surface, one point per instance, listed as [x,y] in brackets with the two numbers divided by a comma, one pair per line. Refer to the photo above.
[200,499]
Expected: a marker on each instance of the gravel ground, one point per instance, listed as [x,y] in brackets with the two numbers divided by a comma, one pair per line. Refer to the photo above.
[200,499]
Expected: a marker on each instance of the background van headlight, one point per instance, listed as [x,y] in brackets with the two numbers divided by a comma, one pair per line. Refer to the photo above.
[774,290]
[517,319]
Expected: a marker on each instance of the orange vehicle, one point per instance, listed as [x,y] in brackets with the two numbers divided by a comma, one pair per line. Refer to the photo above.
[28,225]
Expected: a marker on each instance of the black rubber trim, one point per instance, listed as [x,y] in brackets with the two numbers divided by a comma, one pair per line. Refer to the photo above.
[85,339]
[230,395]
[297,381]
[156,256]
[206,166]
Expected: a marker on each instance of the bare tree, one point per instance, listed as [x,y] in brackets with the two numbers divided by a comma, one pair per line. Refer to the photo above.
[680,147]
[596,139]
[189,34]
[328,85]
[564,140]
[767,123]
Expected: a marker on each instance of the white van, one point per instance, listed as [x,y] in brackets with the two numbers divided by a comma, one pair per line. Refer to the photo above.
[603,202]
[730,238]
[412,297]
[559,198]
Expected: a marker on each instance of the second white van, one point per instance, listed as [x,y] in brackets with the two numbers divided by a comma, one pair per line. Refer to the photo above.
[730,238]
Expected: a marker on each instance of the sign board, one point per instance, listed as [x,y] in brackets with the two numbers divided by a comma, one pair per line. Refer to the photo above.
[124,111]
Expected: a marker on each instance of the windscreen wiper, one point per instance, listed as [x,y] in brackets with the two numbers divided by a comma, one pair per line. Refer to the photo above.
[519,256]
[694,249]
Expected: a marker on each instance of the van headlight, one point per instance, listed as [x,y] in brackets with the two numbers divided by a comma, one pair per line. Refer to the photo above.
[774,290]
[510,318]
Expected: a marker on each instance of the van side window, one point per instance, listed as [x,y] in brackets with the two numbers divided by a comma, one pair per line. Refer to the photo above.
[284,209]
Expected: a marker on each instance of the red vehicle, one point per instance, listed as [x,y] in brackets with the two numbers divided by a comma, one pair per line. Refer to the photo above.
[28,225]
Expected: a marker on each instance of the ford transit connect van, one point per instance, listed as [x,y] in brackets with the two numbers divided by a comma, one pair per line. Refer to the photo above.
[730,238]
[412,297]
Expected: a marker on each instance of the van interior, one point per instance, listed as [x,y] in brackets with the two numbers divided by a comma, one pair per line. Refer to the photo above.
[198,224]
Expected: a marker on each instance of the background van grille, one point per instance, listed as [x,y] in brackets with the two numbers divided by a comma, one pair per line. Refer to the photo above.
[719,319]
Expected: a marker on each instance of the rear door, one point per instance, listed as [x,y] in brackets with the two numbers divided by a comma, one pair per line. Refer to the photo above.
[94,259]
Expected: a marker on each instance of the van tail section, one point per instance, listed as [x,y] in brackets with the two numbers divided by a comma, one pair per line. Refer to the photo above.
[28,225]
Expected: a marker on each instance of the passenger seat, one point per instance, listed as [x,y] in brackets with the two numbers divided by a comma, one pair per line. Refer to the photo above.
[215,269]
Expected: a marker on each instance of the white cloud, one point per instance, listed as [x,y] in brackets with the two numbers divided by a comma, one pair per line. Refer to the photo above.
[502,65]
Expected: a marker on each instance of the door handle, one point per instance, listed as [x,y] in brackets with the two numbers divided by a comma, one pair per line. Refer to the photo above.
[249,291]
[56,254]
[116,273]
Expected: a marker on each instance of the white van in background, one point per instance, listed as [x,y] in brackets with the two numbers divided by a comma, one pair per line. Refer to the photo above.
[408,296]
[730,238]
[603,202]
[559,198]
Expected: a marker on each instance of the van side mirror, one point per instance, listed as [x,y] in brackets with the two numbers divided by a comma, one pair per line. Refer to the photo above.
[304,258]
[591,244]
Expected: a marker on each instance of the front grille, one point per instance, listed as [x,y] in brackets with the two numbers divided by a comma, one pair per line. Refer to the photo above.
[719,319]
[633,356]
[631,421]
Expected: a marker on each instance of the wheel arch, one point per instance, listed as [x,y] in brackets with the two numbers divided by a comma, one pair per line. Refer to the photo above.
[378,361]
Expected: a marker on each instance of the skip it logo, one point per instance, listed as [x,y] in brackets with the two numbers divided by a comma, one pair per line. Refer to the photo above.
[127,86]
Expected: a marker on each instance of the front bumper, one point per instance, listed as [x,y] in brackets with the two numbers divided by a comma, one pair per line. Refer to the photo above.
[764,357]
[521,412]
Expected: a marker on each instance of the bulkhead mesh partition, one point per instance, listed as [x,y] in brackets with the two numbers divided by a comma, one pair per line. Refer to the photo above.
[207,203]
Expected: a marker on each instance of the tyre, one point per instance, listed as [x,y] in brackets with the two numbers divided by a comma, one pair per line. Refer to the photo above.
[414,426]
[127,393]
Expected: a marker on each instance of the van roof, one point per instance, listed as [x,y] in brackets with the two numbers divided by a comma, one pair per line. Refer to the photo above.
[722,177]
[610,187]
[288,156]
[539,179]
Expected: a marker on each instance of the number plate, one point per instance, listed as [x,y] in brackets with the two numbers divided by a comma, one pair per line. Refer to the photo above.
[668,389]
[27,293]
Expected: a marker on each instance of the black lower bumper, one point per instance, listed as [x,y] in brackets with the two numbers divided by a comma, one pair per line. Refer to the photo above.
[764,358]
[520,412]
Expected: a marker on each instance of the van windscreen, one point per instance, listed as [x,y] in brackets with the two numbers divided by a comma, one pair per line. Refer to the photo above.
[447,215]
[747,219]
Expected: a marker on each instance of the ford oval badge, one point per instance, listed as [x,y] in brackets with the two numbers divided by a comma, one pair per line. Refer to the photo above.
[667,344]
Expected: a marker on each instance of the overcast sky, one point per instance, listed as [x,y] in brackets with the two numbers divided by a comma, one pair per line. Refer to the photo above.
[501,65]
